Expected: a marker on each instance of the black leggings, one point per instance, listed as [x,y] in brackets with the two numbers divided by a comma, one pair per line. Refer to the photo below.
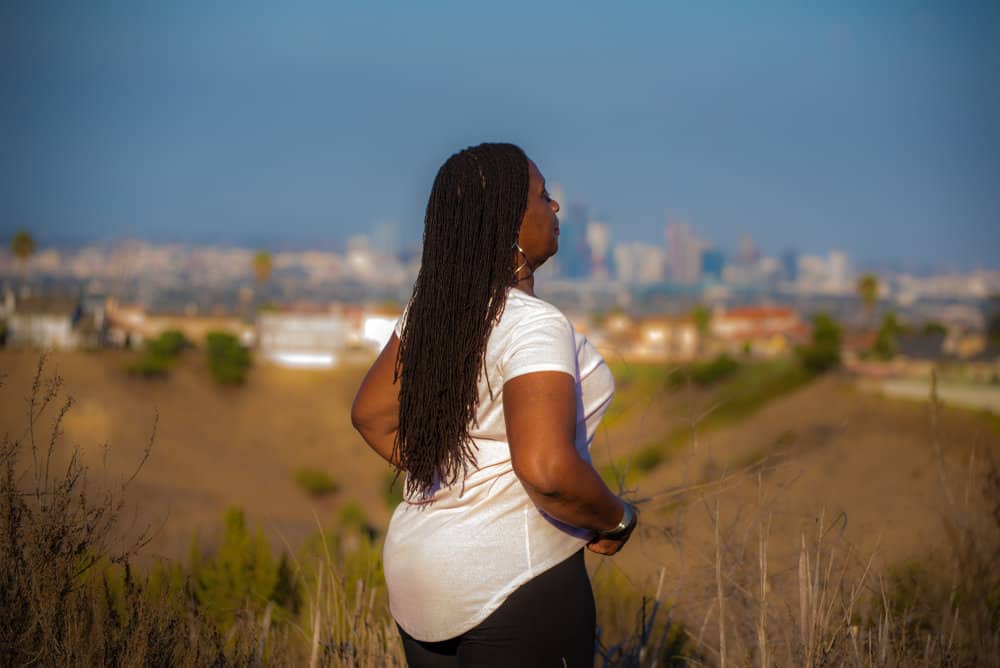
[548,621]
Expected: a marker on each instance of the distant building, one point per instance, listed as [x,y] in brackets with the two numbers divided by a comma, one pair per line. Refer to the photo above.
[684,250]
[830,275]
[321,337]
[790,264]
[712,263]
[840,272]
[766,331]
[52,322]
[666,338]
[302,339]
[638,263]
[131,325]
[748,253]
[599,242]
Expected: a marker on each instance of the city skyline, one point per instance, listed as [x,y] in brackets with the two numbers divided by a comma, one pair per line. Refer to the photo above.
[871,130]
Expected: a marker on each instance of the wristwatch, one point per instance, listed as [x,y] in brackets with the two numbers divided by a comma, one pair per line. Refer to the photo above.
[626,524]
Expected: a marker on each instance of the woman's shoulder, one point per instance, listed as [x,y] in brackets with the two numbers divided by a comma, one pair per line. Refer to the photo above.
[524,313]
[522,304]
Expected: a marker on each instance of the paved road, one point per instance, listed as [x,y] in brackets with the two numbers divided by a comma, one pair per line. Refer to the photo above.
[986,397]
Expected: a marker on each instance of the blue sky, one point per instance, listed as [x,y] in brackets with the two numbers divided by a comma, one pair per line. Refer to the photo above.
[871,127]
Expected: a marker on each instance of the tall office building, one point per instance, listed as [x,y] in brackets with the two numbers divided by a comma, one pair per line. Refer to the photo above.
[638,263]
[712,263]
[840,271]
[599,242]
[748,253]
[790,264]
[684,250]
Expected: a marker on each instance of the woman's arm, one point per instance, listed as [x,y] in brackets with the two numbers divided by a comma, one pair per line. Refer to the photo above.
[375,412]
[540,412]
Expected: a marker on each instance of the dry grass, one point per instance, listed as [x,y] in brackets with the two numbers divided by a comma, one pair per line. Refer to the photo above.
[754,580]
[70,596]
[746,568]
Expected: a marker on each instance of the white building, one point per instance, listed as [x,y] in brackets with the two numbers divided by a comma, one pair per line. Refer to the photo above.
[58,323]
[684,250]
[599,241]
[639,263]
[299,339]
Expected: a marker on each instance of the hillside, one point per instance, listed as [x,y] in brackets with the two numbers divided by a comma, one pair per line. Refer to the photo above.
[826,447]
[214,448]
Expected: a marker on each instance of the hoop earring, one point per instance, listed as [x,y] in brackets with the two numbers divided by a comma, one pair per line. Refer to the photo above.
[523,265]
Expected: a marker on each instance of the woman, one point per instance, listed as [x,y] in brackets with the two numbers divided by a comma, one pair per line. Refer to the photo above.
[488,400]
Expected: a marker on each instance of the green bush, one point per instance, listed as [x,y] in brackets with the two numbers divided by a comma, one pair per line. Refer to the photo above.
[705,373]
[823,353]
[708,373]
[149,365]
[241,574]
[315,483]
[168,344]
[228,360]
[887,340]
[159,355]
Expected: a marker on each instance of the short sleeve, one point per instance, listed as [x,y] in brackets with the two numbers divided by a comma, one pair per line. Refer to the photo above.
[544,342]
[401,323]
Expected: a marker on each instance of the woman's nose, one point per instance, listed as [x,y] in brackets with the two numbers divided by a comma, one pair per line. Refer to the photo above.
[555,205]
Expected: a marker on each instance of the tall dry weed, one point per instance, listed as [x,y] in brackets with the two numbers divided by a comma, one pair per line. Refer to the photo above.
[824,603]
[70,598]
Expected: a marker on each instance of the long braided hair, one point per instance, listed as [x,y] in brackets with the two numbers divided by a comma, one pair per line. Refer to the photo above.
[472,222]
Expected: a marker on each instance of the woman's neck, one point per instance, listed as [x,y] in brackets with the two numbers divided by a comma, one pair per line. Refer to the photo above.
[526,285]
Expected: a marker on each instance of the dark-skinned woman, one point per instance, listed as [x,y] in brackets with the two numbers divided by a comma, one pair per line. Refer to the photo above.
[487,400]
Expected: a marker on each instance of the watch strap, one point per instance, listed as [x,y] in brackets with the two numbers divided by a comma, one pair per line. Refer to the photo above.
[624,526]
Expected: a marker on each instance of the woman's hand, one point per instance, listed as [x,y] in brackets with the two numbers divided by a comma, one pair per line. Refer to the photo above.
[607,546]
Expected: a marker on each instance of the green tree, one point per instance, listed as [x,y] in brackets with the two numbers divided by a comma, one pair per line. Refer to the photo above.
[241,573]
[228,360]
[22,245]
[160,355]
[823,352]
[702,317]
[934,327]
[887,340]
[168,344]
[868,292]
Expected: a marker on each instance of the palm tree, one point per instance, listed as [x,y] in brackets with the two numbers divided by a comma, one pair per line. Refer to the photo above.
[22,246]
[868,292]
[262,266]
[702,317]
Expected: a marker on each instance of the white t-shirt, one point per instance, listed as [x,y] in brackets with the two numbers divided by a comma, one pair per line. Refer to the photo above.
[452,562]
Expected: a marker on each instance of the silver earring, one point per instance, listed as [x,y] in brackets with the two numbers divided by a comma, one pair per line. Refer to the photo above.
[525,264]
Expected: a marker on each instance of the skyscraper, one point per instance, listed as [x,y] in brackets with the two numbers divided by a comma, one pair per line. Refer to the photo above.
[683,253]
[712,262]
[599,242]
[748,254]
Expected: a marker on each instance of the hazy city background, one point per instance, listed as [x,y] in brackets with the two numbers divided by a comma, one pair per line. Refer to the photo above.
[779,225]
